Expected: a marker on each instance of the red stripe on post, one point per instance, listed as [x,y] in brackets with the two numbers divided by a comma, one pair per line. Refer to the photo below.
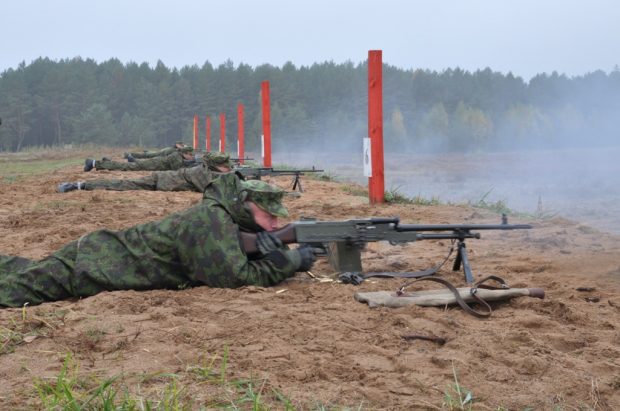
[240,131]
[195,132]
[266,123]
[222,132]
[208,133]
[376,186]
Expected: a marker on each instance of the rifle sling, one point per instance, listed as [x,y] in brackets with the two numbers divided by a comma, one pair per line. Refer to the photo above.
[404,274]
[466,307]
[410,274]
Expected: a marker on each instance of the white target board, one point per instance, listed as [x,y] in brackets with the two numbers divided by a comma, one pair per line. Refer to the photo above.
[262,146]
[367,158]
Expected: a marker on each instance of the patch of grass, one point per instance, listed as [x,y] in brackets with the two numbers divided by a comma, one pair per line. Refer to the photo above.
[417,200]
[70,390]
[54,205]
[13,171]
[324,176]
[394,196]
[457,397]
[27,326]
[95,334]
[541,213]
[125,200]
[500,207]
[9,339]
[355,189]
[207,370]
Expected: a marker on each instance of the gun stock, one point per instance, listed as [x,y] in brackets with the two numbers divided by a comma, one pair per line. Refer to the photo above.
[248,240]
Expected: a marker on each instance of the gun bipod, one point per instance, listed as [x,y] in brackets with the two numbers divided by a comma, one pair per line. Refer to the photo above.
[297,183]
[462,260]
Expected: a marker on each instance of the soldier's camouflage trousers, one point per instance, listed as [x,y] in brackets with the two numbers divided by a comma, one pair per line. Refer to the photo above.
[186,179]
[173,161]
[55,278]
[144,183]
[156,153]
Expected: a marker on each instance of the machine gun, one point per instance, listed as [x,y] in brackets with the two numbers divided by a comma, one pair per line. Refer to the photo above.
[256,173]
[342,241]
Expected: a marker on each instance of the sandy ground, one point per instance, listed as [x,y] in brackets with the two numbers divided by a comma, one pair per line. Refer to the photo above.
[310,340]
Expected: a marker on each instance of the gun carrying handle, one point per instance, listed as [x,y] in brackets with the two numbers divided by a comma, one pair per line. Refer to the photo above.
[248,240]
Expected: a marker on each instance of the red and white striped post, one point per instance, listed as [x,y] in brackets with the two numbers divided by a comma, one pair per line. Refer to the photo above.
[222,132]
[376,186]
[266,124]
[240,132]
[208,133]
[195,132]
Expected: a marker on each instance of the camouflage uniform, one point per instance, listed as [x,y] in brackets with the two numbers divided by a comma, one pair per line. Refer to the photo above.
[186,179]
[172,161]
[214,159]
[198,246]
[156,153]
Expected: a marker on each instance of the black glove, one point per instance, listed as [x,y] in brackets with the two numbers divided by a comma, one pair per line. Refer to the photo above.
[267,242]
[307,257]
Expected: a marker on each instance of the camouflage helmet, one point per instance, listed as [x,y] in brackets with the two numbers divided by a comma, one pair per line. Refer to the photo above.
[265,196]
[214,159]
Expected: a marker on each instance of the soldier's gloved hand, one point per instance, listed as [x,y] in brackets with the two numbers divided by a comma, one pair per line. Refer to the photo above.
[267,242]
[307,257]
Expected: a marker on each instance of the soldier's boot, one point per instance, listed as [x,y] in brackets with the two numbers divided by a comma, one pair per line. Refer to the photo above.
[130,158]
[66,186]
[89,164]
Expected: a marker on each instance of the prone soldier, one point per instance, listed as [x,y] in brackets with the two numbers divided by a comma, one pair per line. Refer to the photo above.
[180,158]
[156,153]
[185,179]
[197,246]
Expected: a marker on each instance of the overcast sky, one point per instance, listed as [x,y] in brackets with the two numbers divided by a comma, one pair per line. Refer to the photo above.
[525,37]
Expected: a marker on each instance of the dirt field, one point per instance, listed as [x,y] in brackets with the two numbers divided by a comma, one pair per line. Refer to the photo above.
[311,341]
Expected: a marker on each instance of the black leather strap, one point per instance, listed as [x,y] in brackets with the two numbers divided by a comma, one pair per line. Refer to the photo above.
[466,307]
[410,274]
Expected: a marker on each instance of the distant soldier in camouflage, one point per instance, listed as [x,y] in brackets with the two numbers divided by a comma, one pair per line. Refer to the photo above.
[186,179]
[156,153]
[183,157]
[198,246]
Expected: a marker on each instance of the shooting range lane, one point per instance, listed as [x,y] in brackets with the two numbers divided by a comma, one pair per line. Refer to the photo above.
[312,341]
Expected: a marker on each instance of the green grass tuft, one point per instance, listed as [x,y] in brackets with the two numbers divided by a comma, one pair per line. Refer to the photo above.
[457,397]
[73,391]
[355,189]
[13,171]
[394,196]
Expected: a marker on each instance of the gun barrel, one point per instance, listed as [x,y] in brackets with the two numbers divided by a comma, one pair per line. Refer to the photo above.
[447,236]
[291,172]
[460,227]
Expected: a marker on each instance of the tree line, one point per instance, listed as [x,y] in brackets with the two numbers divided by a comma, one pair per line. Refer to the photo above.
[72,101]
